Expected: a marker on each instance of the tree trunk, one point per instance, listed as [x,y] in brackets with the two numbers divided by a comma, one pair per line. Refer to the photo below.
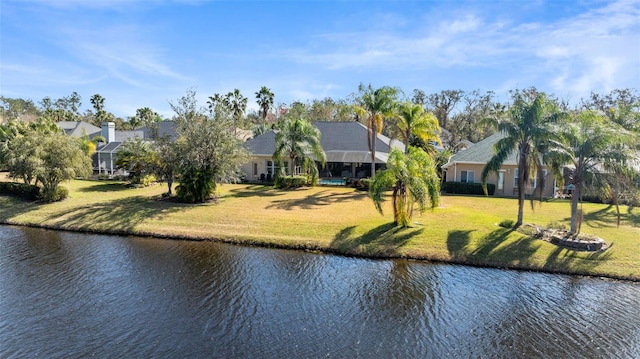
[574,208]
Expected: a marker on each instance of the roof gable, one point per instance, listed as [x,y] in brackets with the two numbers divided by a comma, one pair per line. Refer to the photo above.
[481,152]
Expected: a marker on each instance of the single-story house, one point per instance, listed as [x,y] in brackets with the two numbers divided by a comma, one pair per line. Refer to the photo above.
[344,143]
[467,165]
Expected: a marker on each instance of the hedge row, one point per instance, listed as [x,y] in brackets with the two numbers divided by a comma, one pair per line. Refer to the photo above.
[290,181]
[22,190]
[467,188]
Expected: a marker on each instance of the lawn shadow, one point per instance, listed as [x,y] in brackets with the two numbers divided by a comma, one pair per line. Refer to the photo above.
[496,250]
[382,241]
[254,191]
[105,187]
[16,207]
[607,217]
[491,249]
[317,199]
[116,216]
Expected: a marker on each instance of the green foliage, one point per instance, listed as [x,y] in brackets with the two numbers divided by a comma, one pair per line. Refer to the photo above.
[61,160]
[138,157]
[527,132]
[412,122]
[374,105]
[284,182]
[299,141]
[21,190]
[587,144]
[58,194]
[412,178]
[556,225]
[506,223]
[467,188]
[196,186]
[148,180]
[207,150]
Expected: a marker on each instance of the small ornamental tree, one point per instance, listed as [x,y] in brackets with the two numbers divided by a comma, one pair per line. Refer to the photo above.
[413,180]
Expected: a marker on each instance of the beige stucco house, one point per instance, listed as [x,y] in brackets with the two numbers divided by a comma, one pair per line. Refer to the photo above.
[344,143]
[467,166]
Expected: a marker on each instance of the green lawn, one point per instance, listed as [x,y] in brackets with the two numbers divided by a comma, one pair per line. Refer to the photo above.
[464,229]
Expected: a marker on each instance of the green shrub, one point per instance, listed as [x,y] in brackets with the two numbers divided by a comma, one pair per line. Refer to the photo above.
[22,190]
[362,184]
[556,225]
[58,194]
[467,188]
[507,223]
[284,182]
[148,180]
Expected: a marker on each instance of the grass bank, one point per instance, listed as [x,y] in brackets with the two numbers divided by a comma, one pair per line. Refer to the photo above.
[341,220]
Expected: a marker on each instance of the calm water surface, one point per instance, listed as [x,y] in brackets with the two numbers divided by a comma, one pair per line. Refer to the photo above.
[75,295]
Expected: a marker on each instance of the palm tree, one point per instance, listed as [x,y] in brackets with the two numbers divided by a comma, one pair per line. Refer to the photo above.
[237,104]
[413,179]
[593,148]
[89,145]
[527,131]
[413,122]
[138,157]
[375,106]
[265,101]
[298,139]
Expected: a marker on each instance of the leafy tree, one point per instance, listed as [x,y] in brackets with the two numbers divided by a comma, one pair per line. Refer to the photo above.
[443,103]
[412,179]
[298,139]
[89,145]
[374,106]
[138,157]
[61,159]
[209,152]
[265,102]
[15,108]
[20,146]
[527,131]
[144,117]
[419,97]
[168,161]
[594,149]
[412,121]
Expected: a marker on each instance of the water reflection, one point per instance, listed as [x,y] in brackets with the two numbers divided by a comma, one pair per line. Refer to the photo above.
[76,295]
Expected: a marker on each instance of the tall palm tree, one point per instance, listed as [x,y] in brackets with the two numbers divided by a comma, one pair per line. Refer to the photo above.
[298,139]
[526,131]
[593,148]
[265,101]
[375,105]
[413,122]
[413,179]
[237,104]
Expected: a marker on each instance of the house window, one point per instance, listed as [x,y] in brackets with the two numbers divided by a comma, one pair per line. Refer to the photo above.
[467,177]
[255,169]
[534,181]
[515,178]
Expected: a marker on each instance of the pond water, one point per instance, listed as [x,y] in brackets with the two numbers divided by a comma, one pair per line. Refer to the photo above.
[77,295]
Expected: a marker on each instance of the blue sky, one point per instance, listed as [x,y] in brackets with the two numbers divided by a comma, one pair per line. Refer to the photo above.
[147,53]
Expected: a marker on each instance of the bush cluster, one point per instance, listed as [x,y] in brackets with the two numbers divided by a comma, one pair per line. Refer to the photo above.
[467,188]
[22,190]
[290,181]
[59,194]
[362,184]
